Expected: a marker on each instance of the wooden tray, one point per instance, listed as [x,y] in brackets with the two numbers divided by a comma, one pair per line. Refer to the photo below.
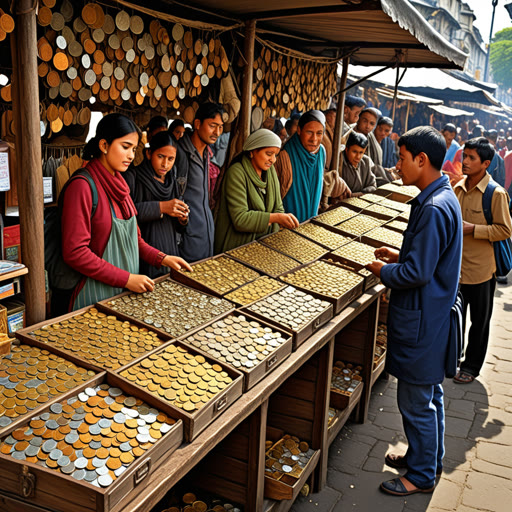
[195,423]
[25,336]
[48,488]
[366,239]
[370,279]
[104,307]
[304,333]
[328,228]
[340,401]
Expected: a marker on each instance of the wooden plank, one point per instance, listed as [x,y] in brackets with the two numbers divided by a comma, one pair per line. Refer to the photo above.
[294,407]
[292,425]
[298,388]
[15,273]
[232,470]
[256,470]
[230,490]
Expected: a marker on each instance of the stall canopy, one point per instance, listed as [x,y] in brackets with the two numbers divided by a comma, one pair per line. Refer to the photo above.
[371,31]
[433,83]
[450,112]
[407,96]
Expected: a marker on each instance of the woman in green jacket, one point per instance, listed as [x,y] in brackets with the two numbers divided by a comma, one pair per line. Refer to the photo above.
[250,205]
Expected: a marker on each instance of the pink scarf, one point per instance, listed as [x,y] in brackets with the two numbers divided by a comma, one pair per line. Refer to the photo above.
[115,187]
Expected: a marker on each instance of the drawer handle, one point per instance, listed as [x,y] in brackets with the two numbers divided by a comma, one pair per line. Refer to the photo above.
[28,483]
[142,472]
[221,403]
[316,324]
[271,361]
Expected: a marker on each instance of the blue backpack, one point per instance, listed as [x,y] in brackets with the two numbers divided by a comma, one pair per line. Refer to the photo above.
[503,248]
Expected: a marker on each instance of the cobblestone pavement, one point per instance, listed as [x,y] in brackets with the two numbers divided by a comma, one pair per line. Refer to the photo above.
[478,462]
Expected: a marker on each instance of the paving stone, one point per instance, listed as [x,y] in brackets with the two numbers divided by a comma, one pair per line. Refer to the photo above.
[495,453]
[377,465]
[343,452]
[389,420]
[381,449]
[503,354]
[483,466]
[447,495]
[452,465]
[319,502]
[455,475]
[494,431]
[503,366]
[458,449]
[378,433]
[463,409]
[452,390]
[487,492]
[500,388]
[457,427]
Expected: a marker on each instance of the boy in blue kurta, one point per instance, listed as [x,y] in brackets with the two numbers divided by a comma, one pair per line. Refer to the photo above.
[423,278]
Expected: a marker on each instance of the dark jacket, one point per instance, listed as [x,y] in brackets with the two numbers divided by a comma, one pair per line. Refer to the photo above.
[198,237]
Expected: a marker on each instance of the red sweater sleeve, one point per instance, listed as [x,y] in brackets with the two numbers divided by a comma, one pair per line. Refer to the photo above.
[79,250]
[148,253]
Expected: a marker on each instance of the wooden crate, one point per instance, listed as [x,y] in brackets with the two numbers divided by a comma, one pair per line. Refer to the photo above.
[328,228]
[196,422]
[367,239]
[45,487]
[253,375]
[340,401]
[370,279]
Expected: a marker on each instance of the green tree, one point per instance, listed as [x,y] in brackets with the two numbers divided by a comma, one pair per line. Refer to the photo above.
[500,57]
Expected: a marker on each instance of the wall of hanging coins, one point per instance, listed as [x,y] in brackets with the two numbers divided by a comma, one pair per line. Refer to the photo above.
[283,83]
[120,59]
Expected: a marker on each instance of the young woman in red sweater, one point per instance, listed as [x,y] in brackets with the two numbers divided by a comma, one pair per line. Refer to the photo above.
[107,246]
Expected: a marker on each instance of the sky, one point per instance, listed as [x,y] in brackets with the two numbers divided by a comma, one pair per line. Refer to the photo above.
[483,13]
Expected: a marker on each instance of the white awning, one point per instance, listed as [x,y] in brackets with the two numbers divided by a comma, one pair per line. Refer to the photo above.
[449,111]
[408,96]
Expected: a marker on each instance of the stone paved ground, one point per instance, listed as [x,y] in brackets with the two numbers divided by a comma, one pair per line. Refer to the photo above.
[478,463]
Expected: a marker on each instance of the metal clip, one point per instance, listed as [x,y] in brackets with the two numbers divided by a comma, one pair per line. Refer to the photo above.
[271,361]
[142,472]
[28,483]
[221,403]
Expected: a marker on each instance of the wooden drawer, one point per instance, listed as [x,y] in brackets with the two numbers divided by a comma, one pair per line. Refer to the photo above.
[45,487]
[341,401]
[370,279]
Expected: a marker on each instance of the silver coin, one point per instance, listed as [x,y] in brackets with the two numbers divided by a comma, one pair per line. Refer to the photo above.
[125,447]
[18,455]
[5,421]
[49,445]
[119,418]
[287,469]
[95,445]
[90,476]
[95,429]
[72,438]
[102,471]
[45,416]
[36,441]
[105,480]
[104,423]
[56,408]
[118,472]
[142,438]
[31,451]
[63,461]
[130,401]
[83,397]
[115,392]
[56,454]
[98,463]
[81,463]
[79,474]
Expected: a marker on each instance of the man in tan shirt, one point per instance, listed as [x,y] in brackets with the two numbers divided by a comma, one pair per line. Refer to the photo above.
[478,280]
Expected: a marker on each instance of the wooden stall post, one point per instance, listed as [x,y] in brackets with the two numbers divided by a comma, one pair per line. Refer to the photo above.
[244,124]
[407,116]
[338,127]
[395,94]
[28,155]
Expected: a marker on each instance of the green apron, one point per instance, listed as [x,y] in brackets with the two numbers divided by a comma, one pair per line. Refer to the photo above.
[122,251]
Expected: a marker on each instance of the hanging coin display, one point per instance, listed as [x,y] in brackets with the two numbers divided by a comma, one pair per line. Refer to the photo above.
[290,307]
[336,216]
[288,456]
[293,245]
[30,376]
[171,307]
[94,436]
[254,291]
[104,339]
[323,236]
[175,375]
[264,258]
[360,224]
[236,340]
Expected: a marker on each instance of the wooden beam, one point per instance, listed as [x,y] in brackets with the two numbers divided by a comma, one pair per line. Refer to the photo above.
[244,126]
[338,127]
[28,156]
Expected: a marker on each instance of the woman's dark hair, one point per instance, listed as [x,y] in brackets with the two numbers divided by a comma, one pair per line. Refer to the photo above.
[160,140]
[176,124]
[356,139]
[386,121]
[483,148]
[354,101]
[425,139]
[111,127]
[156,122]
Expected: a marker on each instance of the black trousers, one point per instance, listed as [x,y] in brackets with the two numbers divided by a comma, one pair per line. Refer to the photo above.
[479,298]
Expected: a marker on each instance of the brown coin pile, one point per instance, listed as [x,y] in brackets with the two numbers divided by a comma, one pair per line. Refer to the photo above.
[30,376]
[222,274]
[324,278]
[290,307]
[264,258]
[256,290]
[345,378]
[238,341]
[286,459]
[398,224]
[358,202]
[171,307]
[323,236]
[190,502]
[387,236]
[357,252]
[102,339]
[336,216]
[360,224]
[293,245]
[384,210]
[94,436]
[183,379]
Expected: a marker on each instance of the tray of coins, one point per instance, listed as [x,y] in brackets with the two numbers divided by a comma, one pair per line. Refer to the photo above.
[293,310]
[171,309]
[335,216]
[397,192]
[255,290]
[383,237]
[346,385]
[187,498]
[217,275]
[373,198]
[88,451]
[370,279]
[356,226]
[288,464]
[293,245]
[263,258]
[89,336]
[381,342]
[328,282]
[356,203]
[31,377]
[354,253]
[244,342]
[188,384]
[396,205]
[397,225]
[324,235]
[380,212]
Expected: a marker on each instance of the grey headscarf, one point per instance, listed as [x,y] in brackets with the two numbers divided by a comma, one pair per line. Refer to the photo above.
[262,138]
[312,115]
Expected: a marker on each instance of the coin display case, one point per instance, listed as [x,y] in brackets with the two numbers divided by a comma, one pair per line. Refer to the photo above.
[346,385]
[359,225]
[396,205]
[245,342]
[324,235]
[336,216]
[370,279]
[293,245]
[395,192]
[373,198]
[256,290]
[171,309]
[328,282]
[383,237]
[397,225]
[105,340]
[217,276]
[380,211]
[356,203]
[188,384]
[77,444]
[263,259]
[294,311]
[32,377]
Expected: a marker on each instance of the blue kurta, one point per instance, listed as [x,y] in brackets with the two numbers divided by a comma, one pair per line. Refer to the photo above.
[424,286]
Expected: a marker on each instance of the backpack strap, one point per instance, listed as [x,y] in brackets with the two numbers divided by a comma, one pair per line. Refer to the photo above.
[83,173]
[487,200]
